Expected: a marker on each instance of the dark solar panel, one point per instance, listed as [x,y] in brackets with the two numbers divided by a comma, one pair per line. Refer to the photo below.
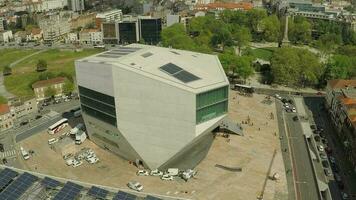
[18,187]
[185,76]
[98,192]
[6,177]
[149,197]
[175,52]
[70,191]
[124,196]
[50,183]
[107,56]
[171,68]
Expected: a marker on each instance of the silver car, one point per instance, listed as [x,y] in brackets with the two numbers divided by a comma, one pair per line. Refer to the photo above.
[135,186]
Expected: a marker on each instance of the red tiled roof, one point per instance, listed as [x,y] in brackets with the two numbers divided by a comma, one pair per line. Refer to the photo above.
[4,108]
[240,5]
[48,82]
[36,31]
[340,83]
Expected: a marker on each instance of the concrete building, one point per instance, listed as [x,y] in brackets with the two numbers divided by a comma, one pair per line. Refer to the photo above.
[110,32]
[2,21]
[20,107]
[54,27]
[128,31]
[152,105]
[6,36]
[109,16]
[6,119]
[341,104]
[45,5]
[76,5]
[41,87]
[72,38]
[150,30]
[172,19]
[91,36]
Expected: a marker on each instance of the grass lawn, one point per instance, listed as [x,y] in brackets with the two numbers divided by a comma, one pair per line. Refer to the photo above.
[3,100]
[263,53]
[8,56]
[24,74]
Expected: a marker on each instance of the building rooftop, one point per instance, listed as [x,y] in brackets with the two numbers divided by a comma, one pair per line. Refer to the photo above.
[340,83]
[48,82]
[221,5]
[184,69]
[4,108]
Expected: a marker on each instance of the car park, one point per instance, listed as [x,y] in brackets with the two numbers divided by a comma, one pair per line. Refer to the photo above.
[156,172]
[327,172]
[321,148]
[167,177]
[142,173]
[134,185]
[325,163]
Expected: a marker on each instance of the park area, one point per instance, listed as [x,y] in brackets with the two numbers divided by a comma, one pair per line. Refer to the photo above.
[24,73]
[252,152]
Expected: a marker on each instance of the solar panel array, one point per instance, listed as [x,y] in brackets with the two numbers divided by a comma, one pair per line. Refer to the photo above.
[149,197]
[179,73]
[117,53]
[50,183]
[18,187]
[70,191]
[124,196]
[6,177]
[98,192]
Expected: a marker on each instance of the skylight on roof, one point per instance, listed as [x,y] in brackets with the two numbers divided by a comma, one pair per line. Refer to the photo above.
[178,73]
[147,54]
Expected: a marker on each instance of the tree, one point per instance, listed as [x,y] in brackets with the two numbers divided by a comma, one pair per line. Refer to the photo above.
[254,18]
[242,37]
[340,67]
[241,65]
[68,87]
[176,37]
[7,71]
[222,37]
[50,92]
[41,65]
[46,75]
[271,28]
[299,30]
[327,43]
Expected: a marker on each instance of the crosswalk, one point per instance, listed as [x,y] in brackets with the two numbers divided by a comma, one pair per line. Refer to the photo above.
[7,154]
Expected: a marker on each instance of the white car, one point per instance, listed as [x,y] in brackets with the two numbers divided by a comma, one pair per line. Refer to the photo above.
[52,141]
[93,160]
[167,177]
[294,110]
[320,148]
[135,186]
[69,161]
[278,97]
[286,105]
[142,173]
[77,163]
[156,172]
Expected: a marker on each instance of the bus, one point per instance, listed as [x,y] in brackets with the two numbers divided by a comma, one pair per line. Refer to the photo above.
[58,126]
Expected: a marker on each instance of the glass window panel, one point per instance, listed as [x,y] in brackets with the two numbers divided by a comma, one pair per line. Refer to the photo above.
[98,105]
[99,115]
[96,95]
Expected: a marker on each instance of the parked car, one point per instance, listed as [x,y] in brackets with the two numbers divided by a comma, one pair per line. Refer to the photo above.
[69,155]
[317,138]
[327,172]
[92,160]
[156,172]
[290,101]
[321,148]
[23,123]
[134,185]
[313,127]
[325,163]
[38,117]
[4,161]
[278,96]
[284,101]
[77,163]
[323,156]
[295,118]
[1,147]
[294,110]
[142,173]
[167,177]
[52,141]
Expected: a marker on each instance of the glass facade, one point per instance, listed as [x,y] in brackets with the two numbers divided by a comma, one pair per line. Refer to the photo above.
[151,30]
[98,105]
[127,32]
[211,104]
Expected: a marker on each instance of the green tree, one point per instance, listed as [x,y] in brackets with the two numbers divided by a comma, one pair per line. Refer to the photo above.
[46,75]
[176,37]
[68,87]
[50,92]
[41,65]
[271,28]
[327,43]
[340,67]
[299,30]
[242,37]
[7,71]
[254,18]
[241,65]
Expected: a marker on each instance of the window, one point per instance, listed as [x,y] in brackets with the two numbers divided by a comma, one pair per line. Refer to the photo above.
[211,104]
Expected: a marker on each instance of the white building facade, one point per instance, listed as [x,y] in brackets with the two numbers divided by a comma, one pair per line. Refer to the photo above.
[152,104]
[6,36]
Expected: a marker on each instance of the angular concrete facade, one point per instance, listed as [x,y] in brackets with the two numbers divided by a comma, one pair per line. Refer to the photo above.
[154,104]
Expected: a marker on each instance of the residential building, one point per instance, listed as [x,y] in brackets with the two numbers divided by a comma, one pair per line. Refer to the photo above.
[6,119]
[109,16]
[44,5]
[36,34]
[41,87]
[54,27]
[2,21]
[220,6]
[82,20]
[20,107]
[72,38]
[110,33]
[90,36]
[76,5]
[153,105]
[20,36]
[150,30]
[341,104]
[6,36]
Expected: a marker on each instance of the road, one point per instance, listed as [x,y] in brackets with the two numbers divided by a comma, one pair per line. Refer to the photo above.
[322,119]
[304,180]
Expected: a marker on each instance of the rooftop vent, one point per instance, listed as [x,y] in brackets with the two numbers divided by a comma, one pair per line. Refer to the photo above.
[148,54]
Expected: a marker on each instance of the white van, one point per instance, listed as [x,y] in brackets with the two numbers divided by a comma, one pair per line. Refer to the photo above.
[24,154]
[52,141]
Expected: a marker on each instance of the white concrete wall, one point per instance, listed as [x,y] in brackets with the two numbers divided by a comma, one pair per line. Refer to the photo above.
[157,119]
[95,76]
